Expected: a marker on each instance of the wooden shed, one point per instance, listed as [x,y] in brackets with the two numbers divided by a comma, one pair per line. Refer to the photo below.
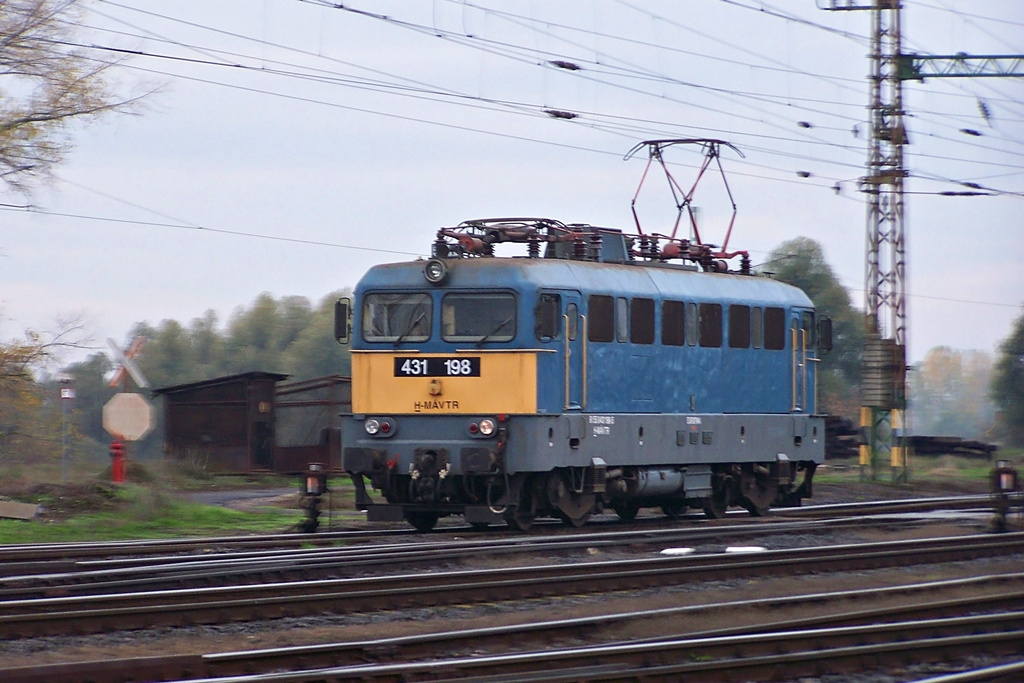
[224,424]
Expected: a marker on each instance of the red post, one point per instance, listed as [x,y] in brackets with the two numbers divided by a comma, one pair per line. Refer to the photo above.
[117,461]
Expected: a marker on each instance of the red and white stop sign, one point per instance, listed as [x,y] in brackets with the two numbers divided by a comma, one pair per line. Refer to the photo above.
[128,416]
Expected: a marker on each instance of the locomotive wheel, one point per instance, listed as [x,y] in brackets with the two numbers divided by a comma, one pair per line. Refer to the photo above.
[421,521]
[519,517]
[716,505]
[674,510]
[626,510]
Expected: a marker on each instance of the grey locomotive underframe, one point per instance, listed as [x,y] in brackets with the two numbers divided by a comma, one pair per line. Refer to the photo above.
[638,459]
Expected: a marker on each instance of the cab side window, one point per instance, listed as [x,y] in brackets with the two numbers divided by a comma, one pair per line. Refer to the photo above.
[739,327]
[641,321]
[711,325]
[673,323]
[601,318]
[774,329]
[548,317]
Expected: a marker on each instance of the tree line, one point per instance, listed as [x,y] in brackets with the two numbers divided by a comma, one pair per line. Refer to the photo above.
[288,335]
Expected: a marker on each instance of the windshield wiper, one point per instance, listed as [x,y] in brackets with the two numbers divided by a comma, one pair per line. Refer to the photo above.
[495,331]
[408,330]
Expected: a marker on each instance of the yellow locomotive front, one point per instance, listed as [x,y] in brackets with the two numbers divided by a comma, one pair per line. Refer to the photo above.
[439,370]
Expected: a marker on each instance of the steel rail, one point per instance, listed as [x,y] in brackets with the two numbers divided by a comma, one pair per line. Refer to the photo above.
[789,665]
[19,558]
[125,611]
[889,507]
[436,645]
[788,653]
[29,553]
[165,573]
[1003,673]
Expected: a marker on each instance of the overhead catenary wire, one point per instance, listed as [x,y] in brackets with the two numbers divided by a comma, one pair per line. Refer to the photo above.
[626,127]
[596,126]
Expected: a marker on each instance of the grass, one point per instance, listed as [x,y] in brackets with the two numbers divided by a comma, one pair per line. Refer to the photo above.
[155,504]
[944,469]
[91,509]
[137,512]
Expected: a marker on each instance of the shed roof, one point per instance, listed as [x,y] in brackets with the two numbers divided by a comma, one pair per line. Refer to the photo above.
[228,379]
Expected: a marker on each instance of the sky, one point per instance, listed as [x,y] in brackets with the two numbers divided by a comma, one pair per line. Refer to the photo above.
[289,145]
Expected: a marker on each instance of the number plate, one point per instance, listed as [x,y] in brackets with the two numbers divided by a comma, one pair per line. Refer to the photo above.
[454,366]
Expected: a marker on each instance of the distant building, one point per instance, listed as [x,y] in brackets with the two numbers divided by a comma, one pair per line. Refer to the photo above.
[224,424]
[248,423]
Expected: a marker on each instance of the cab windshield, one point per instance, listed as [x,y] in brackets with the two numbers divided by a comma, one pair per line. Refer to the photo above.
[396,317]
[478,317]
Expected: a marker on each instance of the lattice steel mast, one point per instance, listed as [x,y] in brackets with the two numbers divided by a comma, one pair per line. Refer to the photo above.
[883,376]
[884,369]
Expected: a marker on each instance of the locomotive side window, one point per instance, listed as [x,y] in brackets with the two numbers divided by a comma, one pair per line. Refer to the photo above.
[622,319]
[396,317]
[711,325]
[573,328]
[692,321]
[548,315]
[774,329]
[739,327]
[641,321]
[757,328]
[601,319]
[672,323]
[478,317]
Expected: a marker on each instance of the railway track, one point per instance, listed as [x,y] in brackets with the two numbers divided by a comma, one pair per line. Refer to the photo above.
[178,571]
[65,564]
[98,612]
[922,625]
[22,558]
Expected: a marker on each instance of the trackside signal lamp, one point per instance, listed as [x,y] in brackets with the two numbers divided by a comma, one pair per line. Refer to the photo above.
[1006,492]
[314,486]
[316,480]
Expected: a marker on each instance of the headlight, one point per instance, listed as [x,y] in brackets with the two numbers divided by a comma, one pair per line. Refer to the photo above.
[380,427]
[436,271]
[487,427]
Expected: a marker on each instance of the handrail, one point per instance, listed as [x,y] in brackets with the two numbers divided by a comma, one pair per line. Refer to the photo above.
[583,332]
[568,353]
[792,337]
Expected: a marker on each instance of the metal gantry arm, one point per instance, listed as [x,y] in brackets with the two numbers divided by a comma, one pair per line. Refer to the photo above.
[914,67]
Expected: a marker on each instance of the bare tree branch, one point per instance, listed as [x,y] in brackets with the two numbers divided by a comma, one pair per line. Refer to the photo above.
[46,81]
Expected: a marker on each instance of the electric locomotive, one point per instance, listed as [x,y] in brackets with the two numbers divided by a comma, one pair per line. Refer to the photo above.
[597,371]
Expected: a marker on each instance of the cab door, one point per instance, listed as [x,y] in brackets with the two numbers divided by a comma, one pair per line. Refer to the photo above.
[561,324]
[802,342]
[574,350]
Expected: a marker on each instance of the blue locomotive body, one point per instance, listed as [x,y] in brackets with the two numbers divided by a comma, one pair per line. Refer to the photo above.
[503,389]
